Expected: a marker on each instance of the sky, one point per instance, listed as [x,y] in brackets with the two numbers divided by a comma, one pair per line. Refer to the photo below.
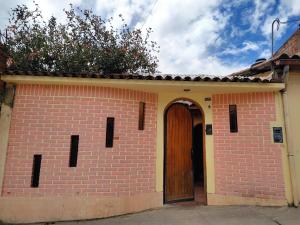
[213,37]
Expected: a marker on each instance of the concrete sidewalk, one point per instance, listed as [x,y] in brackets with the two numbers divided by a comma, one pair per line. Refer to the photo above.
[200,215]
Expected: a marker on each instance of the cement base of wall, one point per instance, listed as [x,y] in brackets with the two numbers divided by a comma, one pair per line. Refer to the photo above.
[215,199]
[46,209]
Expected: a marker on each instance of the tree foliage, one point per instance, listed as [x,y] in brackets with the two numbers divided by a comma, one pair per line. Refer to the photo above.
[83,43]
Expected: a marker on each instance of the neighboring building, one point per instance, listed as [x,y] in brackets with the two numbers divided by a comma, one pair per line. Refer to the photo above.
[80,146]
[291,46]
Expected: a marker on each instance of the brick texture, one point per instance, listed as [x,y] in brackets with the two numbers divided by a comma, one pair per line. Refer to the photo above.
[45,116]
[291,46]
[247,163]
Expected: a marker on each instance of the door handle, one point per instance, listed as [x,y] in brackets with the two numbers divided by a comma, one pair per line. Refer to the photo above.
[192,153]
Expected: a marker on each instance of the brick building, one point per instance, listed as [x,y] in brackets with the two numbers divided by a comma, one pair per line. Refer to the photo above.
[81,146]
[291,46]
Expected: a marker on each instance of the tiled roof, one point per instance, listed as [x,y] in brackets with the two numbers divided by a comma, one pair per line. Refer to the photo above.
[164,77]
[285,56]
[265,66]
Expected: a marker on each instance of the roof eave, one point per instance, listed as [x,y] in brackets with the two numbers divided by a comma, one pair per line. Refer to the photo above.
[295,62]
[151,85]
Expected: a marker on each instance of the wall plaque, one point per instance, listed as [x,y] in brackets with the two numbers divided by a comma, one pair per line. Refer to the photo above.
[208,129]
[277,135]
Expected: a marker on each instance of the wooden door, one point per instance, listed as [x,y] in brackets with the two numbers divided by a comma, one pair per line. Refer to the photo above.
[178,162]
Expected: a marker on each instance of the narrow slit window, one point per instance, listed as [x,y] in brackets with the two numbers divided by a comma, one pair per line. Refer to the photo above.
[74,150]
[110,123]
[36,168]
[233,118]
[141,115]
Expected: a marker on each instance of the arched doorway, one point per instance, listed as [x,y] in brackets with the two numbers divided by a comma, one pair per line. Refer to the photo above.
[184,168]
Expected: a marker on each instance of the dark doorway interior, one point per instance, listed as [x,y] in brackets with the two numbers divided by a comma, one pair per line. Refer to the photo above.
[198,163]
[198,155]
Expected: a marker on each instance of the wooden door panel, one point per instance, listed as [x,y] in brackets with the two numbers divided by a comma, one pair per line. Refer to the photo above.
[179,167]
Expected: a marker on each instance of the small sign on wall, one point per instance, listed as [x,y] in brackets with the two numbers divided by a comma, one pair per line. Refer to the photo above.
[277,135]
[208,129]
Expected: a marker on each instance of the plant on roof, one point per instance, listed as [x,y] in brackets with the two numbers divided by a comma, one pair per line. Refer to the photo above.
[83,43]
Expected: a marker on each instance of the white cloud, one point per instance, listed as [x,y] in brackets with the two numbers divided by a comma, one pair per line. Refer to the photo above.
[186,30]
[266,53]
[5,9]
[284,10]
[131,10]
[261,9]
[247,46]
[48,8]
[291,7]
[54,7]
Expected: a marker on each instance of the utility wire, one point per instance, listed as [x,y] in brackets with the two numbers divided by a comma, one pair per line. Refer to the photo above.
[277,20]
[289,21]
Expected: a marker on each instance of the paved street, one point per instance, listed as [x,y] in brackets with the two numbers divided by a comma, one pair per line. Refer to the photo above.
[200,215]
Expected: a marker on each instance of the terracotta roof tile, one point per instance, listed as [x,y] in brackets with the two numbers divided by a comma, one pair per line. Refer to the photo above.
[166,77]
[265,66]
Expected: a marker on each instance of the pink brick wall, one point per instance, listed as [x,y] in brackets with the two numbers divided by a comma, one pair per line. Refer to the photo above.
[247,163]
[44,117]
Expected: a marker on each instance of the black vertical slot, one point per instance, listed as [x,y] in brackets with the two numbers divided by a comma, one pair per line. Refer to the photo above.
[74,150]
[233,118]
[36,168]
[110,132]
[141,115]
